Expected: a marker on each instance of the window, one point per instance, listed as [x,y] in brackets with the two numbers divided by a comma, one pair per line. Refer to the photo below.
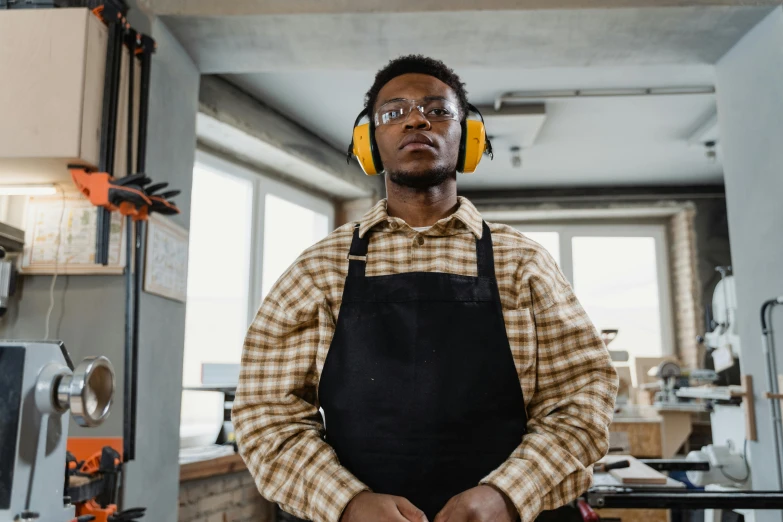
[245,230]
[283,244]
[218,284]
[219,270]
[616,280]
[620,274]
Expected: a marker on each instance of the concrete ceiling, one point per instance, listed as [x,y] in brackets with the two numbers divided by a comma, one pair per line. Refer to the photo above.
[494,39]
[315,67]
[267,7]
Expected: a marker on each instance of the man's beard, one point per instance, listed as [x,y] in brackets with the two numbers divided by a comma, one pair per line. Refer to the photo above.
[421,180]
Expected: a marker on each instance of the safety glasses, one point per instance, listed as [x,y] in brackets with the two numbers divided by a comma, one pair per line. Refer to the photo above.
[397,111]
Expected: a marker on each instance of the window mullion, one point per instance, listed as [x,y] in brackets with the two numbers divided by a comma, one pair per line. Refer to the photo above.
[566,253]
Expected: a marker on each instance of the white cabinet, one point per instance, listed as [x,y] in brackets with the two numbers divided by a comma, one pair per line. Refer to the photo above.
[52,64]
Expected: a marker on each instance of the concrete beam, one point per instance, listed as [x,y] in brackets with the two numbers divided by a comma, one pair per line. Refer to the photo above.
[233,123]
[603,194]
[280,7]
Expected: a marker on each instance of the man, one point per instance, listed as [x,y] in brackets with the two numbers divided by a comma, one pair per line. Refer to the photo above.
[459,377]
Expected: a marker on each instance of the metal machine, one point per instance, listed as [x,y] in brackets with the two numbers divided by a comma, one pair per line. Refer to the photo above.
[723,341]
[722,468]
[39,384]
[671,379]
[11,242]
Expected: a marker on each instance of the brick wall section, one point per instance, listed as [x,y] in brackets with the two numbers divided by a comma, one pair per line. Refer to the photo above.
[686,287]
[352,210]
[223,498]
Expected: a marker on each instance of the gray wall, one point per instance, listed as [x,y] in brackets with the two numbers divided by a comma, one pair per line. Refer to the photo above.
[89,310]
[153,479]
[750,109]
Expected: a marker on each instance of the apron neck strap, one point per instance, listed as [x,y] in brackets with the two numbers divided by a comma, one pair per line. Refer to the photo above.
[357,256]
[484,253]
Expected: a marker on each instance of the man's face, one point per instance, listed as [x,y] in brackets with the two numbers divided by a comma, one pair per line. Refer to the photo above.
[418,153]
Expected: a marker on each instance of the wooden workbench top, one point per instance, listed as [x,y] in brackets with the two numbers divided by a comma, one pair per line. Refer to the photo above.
[211,468]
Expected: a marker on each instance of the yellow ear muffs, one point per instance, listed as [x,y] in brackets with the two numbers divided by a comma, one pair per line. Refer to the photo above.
[363,147]
[474,143]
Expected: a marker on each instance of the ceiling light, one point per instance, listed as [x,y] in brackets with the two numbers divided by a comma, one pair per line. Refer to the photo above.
[27,190]
[527,96]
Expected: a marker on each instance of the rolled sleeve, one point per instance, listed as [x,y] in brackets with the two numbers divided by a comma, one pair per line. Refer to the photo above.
[276,414]
[570,412]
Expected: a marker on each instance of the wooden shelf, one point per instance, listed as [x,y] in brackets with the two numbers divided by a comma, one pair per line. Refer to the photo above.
[211,468]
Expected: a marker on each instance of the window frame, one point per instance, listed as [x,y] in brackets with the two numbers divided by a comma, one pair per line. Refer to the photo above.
[263,185]
[659,233]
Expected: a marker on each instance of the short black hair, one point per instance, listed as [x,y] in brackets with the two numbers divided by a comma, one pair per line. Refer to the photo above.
[416,63]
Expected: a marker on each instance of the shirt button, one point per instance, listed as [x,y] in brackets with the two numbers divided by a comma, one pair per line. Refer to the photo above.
[394,225]
[419,240]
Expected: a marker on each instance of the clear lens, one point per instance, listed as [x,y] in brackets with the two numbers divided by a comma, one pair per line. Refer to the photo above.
[396,112]
[440,110]
[393,113]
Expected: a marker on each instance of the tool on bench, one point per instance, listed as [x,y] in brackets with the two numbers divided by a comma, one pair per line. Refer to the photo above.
[609,466]
[643,491]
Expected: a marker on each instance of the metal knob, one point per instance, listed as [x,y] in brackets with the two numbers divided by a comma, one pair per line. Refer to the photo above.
[88,391]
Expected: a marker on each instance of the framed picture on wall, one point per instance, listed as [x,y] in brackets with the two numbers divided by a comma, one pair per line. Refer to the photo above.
[166,260]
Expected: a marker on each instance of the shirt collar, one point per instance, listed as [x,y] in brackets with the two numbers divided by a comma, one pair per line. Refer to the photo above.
[466,213]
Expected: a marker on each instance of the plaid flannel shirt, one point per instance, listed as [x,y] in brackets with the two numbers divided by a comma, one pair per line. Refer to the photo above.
[564,369]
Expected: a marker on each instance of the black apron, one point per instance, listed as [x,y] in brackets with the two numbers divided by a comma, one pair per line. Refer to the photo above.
[419,389]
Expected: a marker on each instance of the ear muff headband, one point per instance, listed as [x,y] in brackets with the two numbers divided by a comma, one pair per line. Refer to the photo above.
[473,144]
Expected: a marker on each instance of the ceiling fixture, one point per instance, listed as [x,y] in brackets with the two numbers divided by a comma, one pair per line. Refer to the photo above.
[514,124]
[516,157]
[27,190]
[527,96]
[710,151]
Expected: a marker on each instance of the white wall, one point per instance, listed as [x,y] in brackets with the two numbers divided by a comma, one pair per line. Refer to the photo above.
[750,109]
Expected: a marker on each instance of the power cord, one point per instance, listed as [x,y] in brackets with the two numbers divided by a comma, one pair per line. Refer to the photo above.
[747,467]
[56,260]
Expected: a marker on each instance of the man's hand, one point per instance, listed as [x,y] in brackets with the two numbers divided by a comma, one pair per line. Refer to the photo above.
[374,507]
[480,504]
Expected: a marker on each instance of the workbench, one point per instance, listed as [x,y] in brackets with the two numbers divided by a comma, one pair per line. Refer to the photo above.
[653,432]
[631,515]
